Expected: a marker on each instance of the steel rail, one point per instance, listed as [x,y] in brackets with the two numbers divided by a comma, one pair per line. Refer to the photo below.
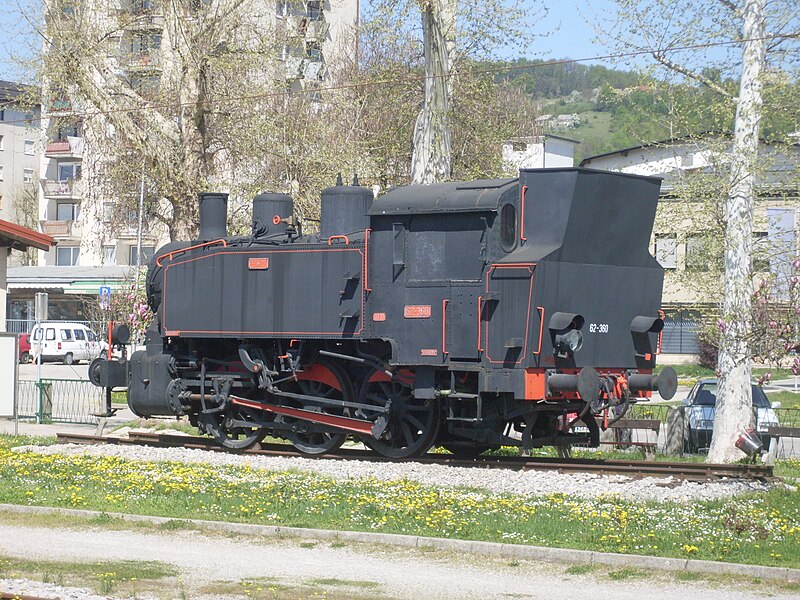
[634,468]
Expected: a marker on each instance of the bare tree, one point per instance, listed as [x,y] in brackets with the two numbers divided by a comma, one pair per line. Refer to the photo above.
[697,24]
[734,411]
[432,159]
[451,32]
[154,97]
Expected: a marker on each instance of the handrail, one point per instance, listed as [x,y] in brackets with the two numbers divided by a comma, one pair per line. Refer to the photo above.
[169,255]
[445,302]
[338,237]
[660,333]
[522,214]
[541,328]
[366,260]
[480,300]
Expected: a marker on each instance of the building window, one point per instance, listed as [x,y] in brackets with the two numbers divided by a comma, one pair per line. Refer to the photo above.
[27,176]
[29,147]
[69,171]
[697,254]
[67,256]
[1,142]
[284,8]
[761,251]
[1,172]
[67,211]
[145,43]
[147,252]
[667,251]
[109,255]
[314,51]
[108,212]
[314,9]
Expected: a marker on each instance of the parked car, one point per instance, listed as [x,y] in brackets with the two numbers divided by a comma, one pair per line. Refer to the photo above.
[64,341]
[25,348]
[701,408]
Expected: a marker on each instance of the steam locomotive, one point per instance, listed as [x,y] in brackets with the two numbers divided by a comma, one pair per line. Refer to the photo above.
[467,314]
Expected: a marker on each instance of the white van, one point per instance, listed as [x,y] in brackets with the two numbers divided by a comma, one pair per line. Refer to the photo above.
[64,341]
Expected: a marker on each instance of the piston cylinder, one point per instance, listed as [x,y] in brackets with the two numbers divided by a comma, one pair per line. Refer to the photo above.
[665,383]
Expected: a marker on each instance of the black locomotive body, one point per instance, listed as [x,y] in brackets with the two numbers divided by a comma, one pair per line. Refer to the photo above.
[469,315]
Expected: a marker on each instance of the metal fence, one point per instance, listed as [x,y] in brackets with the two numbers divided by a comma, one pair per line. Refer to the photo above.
[60,401]
[26,325]
[680,333]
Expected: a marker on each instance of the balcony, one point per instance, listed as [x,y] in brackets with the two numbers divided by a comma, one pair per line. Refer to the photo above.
[317,30]
[68,188]
[62,229]
[150,61]
[144,22]
[72,147]
[60,106]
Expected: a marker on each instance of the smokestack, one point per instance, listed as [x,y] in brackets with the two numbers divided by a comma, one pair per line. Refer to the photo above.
[213,216]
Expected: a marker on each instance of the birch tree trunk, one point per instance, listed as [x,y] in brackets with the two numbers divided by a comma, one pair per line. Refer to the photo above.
[95,191]
[431,159]
[734,410]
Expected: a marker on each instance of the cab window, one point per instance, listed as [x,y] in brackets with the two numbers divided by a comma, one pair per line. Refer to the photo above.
[91,336]
[508,227]
[79,335]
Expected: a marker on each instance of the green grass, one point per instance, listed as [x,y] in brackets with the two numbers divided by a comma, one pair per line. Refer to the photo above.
[103,577]
[161,425]
[787,399]
[626,573]
[761,528]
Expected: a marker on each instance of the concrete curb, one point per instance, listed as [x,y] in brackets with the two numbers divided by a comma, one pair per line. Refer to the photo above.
[560,555]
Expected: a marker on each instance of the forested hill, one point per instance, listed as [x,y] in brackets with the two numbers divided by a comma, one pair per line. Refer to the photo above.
[612,109]
[544,79]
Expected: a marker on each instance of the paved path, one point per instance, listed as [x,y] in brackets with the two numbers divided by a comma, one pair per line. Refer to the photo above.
[204,559]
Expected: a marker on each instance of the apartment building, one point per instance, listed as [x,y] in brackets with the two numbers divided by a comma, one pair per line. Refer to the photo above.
[19,159]
[679,234]
[97,242]
[315,31]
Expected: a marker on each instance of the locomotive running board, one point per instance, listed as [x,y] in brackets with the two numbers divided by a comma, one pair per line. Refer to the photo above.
[346,423]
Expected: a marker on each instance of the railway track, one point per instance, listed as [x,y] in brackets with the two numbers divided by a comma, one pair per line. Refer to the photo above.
[635,468]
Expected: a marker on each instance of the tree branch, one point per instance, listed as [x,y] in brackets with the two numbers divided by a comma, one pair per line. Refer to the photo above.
[699,77]
[732,7]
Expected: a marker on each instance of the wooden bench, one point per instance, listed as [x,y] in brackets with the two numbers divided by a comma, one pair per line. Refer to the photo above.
[648,448]
[775,433]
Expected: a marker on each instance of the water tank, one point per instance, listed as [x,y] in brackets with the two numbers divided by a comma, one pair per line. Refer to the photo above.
[268,208]
[213,216]
[345,209]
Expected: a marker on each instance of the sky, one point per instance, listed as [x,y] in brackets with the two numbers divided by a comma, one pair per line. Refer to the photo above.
[570,34]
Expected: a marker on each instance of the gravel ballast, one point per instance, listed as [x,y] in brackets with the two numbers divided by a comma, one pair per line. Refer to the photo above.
[526,483]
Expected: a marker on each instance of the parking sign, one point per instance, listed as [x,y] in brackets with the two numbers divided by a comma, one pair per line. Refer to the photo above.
[105,296]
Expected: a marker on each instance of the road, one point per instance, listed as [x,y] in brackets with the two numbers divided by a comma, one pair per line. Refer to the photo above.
[347,570]
[54,371]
